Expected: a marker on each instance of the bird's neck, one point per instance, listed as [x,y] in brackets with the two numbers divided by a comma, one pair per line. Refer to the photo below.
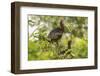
[62,27]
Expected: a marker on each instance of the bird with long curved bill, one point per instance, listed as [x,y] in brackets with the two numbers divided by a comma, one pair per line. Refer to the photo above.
[56,33]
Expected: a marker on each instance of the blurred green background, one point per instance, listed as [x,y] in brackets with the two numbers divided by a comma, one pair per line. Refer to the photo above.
[75,29]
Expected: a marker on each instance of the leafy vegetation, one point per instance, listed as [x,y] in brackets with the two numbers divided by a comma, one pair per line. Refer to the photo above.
[39,46]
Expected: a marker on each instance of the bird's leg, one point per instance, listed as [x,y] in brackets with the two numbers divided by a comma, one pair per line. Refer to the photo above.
[57,48]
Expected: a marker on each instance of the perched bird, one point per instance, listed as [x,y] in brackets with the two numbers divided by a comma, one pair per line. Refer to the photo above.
[56,33]
[69,47]
[69,44]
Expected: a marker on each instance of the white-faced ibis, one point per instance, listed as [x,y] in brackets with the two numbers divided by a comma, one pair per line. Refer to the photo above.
[56,33]
[68,47]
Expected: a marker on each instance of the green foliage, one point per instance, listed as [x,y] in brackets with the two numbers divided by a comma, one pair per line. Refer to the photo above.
[80,48]
[75,29]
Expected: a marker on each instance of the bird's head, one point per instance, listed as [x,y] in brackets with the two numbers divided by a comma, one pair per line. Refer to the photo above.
[62,24]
